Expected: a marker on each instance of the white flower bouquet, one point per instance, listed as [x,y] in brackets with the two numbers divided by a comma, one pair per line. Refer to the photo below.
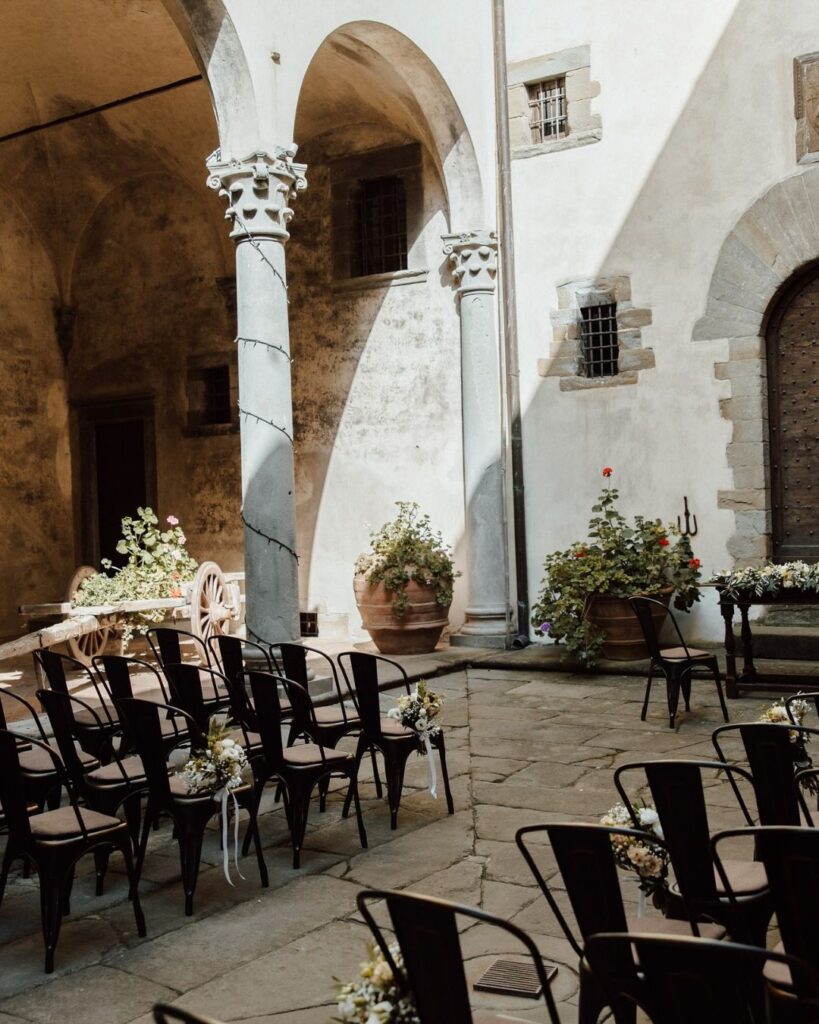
[376,998]
[218,767]
[769,579]
[418,711]
[649,861]
[777,714]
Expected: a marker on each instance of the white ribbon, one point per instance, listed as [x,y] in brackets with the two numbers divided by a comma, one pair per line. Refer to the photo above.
[433,777]
[641,903]
[222,795]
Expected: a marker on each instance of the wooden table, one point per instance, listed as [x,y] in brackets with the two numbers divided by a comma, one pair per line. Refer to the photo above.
[749,679]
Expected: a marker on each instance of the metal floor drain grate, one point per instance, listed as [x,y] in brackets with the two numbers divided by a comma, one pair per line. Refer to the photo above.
[513,978]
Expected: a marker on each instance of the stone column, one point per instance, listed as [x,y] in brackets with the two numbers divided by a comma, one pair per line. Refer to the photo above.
[259,191]
[474,257]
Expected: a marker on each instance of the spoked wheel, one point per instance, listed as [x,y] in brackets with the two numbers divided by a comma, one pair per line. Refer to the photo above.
[89,645]
[211,602]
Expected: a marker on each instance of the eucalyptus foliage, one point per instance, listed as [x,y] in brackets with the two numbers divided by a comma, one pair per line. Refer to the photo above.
[407,549]
[619,560]
[157,566]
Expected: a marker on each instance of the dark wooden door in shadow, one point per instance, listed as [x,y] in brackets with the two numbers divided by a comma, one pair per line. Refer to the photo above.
[793,392]
[118,472]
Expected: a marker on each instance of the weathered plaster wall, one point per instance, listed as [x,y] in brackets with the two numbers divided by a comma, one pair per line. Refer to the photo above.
[146,297]
[35,471]
[377,400]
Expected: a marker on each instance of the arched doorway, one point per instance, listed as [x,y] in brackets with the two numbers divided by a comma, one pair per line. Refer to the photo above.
[792,341]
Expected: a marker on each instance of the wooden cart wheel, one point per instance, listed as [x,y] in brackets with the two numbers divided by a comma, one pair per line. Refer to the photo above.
[88,646]
[211,602]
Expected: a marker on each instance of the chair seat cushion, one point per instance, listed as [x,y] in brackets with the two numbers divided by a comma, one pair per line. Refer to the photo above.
[678,653]
[62,823]
[303,754]
[88,721]
[37,761]
[110,774]
[174,726]
[253,739]
[778,974]
[390,727]
[654,924]
[745,877]
[332,715]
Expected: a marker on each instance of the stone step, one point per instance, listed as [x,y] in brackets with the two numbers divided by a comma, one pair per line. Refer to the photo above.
[790,615]
[785,643]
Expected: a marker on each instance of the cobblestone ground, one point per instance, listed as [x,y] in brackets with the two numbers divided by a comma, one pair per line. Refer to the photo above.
[523,748]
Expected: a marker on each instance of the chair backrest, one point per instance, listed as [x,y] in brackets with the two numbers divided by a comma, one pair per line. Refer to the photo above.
[689,979]
[426,930]
[585,859]
[143,721]
[165,643]
[59,708]
[769,751]
[185,682]
[679,798]
[32,712]
[12,795]
[265,689]
[116,669]
[364,687]
[791,858]
[55,668]
[294,666]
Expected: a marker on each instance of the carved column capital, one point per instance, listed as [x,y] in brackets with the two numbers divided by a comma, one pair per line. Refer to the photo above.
[474,259]
[259,191]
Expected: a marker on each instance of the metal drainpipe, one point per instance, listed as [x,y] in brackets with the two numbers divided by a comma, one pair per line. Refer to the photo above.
[509,324]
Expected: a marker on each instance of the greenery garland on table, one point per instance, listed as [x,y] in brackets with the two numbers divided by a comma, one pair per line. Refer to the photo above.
[769,579]
[157,566]
[619,560]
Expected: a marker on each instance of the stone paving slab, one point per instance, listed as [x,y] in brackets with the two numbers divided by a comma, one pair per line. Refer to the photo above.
[524,747]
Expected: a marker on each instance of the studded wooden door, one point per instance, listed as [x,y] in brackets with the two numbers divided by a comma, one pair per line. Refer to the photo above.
[793,391]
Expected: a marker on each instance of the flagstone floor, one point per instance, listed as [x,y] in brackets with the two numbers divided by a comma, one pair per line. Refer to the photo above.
[524,747]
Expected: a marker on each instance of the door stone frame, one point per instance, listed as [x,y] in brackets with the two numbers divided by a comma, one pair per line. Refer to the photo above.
[773,240]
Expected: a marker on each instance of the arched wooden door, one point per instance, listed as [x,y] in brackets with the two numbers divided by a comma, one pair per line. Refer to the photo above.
[793,401]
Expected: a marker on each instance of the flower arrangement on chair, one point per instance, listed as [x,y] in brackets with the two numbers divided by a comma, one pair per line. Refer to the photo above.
[794,714]
[418,711]
[376,998]
[649,861]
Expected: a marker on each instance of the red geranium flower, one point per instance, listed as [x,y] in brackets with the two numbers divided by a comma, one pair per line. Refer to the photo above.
[694,563]
[580,554]
[663,542]
[176,592]
[608,471]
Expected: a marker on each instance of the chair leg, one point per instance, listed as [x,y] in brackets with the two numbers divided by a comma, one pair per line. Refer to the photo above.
[190,854]
[67,888]
[133,887]
[51,904]
[101,861]
[8,859]
[395,764]
[359,753]
[299,809]
[324,786]
[673,691]
[257,843]
[718,681]
[143,842]
[379,792]
[132,810]
[648,692]
[450,806]
[258,789]
[362,834]
[685,687]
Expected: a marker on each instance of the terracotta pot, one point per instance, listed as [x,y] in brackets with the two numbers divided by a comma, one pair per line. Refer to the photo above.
[623,638]
[417,631]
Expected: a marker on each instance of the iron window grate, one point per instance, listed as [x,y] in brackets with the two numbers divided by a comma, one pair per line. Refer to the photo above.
[217,407]
[380,227]
[548,118]
[600,349]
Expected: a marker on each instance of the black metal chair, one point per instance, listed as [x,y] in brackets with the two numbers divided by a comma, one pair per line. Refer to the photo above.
[679,797]
[108,788]
[333,720]
[168,794]
[426,930]
[677,664]
[588,869]
[115,672]
[54,841]
[791,859]
[166,647]
[390,738]
[686,979]
[297,768]
[770,755]
[97,740]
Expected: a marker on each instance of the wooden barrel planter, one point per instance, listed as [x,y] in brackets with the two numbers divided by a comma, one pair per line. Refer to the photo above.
[417,631]
[623,638]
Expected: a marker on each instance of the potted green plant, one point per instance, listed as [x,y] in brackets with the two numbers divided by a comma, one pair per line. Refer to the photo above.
[403,586]
[584,594]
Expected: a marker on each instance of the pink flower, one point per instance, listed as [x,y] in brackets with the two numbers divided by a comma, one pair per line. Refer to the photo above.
[172,521]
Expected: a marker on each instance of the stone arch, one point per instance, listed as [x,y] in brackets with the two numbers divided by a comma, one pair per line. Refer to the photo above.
[208,30]
[775,238]
[410,91]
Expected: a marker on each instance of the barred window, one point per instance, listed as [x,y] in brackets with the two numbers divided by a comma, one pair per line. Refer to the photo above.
[216,408]
[599,349]
[380,227]
[547,109]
